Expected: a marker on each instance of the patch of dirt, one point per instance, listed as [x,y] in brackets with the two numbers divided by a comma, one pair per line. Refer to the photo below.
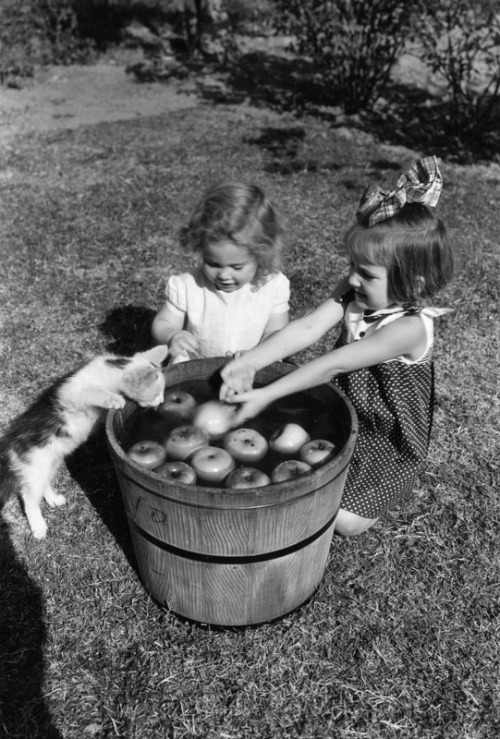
[67,97]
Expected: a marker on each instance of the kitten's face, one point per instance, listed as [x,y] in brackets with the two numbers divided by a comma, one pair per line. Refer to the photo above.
[144,379]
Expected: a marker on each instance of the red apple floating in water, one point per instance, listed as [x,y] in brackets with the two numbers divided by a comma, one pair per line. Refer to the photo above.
[149,454]
[184,440]
[177,472]
[178,404]
[247,477]
[288,439]
[290,470]
[212,464]
[215,418]
[317,452]
[245,445]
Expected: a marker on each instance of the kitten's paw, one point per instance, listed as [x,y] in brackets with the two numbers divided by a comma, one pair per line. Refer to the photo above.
[53,498]
[39,529]
[114,402]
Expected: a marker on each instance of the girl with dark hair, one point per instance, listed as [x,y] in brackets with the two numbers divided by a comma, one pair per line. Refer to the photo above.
[400,257]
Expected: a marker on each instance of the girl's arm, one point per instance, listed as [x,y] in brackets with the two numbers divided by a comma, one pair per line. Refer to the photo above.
[167,328]
[298,335]
[397,339]
[276,322]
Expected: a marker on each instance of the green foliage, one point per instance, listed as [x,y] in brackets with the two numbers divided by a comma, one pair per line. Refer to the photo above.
[58,23]
[38,32]
[243,14]
[354,43]
[66,31]
[460,40]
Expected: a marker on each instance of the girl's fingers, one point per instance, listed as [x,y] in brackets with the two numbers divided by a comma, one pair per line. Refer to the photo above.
[184,342]
[226,393]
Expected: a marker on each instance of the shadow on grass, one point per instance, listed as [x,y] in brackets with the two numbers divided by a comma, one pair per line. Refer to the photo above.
[23,713]
[128,329]
[409,115]
[282,146]
[92,469]
[266,79]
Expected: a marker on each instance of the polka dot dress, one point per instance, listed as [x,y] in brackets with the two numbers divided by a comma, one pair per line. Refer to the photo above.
[394,402]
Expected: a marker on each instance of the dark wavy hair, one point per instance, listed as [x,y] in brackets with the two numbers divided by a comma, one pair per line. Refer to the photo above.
[241,214]
[414,247]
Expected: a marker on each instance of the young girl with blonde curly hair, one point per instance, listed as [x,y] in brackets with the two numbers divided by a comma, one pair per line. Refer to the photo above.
[237,296]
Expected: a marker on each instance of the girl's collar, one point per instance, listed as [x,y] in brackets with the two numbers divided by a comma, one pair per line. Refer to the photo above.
[407,309]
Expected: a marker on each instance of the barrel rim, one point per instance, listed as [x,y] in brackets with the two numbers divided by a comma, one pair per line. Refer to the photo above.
[243,497]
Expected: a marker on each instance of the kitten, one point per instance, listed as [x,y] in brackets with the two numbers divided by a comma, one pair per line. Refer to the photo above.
[62,418]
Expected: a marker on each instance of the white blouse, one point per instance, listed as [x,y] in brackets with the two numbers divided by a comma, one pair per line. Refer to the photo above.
[225,322]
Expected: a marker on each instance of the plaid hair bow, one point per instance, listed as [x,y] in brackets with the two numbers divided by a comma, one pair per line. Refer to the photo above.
[422,183]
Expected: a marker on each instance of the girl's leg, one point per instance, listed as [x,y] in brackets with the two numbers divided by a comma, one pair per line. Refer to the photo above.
[350,524]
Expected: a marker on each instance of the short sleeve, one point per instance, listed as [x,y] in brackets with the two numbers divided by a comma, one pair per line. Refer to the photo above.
[280,286]
[176,294]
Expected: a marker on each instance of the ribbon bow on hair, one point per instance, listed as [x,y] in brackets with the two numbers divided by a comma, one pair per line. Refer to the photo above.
[422,183]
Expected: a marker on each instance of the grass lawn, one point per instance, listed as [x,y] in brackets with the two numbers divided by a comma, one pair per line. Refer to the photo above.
[402,638]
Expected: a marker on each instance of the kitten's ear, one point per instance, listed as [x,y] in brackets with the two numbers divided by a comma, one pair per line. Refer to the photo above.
[144,376]
[156,355]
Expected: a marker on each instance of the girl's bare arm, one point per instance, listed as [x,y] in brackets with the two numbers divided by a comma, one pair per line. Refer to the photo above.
[394,340]
[276,322]
[298,335]
[167,328]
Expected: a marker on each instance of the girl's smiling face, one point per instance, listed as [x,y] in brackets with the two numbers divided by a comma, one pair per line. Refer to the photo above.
[228,266]
[370,283]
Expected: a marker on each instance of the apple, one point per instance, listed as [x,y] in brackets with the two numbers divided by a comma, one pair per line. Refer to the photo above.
[184,440]
[215,418]
[178,403]
[317,452]
[289,470]
[147,453]
[288,439]
[177,471]
[247,477]
[212,464]
[247,446]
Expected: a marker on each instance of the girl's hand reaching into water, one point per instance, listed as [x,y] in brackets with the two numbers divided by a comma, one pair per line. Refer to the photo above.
[237,377]
[250,405]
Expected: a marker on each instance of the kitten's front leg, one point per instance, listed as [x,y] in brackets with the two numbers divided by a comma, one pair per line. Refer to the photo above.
[104,399]
[53,498]
[36,521]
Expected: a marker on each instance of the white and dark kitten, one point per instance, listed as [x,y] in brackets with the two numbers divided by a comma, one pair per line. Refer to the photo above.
[62,418]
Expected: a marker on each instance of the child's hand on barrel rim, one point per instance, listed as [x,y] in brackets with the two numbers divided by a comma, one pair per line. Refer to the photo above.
[182,342]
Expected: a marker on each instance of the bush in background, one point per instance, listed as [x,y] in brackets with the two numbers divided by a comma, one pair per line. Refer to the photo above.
[353,43]
[37,32]
[67,31]
[460,41]
[53,32]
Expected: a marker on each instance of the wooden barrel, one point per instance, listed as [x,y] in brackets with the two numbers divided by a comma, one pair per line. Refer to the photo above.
[232,557]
